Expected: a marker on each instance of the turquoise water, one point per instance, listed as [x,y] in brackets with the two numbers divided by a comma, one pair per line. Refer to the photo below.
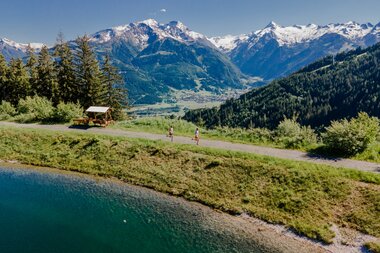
[48,212]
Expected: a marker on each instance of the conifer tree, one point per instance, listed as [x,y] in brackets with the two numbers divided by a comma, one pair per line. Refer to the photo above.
[67,88]
[3,77]
[89,76]
[18,81]
[47,79]
[115,94]
[31,66]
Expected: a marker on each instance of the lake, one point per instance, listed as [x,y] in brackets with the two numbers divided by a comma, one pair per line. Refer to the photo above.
[59,212]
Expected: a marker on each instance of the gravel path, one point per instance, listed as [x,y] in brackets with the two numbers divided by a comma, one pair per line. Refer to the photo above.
[280,153]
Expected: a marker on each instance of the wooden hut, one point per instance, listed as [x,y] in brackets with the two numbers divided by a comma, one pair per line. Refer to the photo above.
[98,115]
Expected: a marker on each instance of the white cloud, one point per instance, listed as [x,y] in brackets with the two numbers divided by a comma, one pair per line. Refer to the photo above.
[163,10]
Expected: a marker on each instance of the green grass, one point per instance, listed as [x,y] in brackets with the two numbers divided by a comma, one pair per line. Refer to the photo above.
[372,154]
[158,125]
[261,137]
[373,247]
[306,197]
[161,125]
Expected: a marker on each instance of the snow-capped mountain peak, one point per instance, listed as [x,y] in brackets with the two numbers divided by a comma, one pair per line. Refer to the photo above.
[229,42]
[177,24]
[290,35]
[20,46]
[149,22]
[140,32]
[376,28]
[272,25]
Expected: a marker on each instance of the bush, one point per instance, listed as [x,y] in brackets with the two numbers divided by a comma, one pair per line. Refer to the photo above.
[254,135]
[25,118]
[261,135]
[7,110]
[66,112]
[351,137]
[119,114]
[292,135]
[35,109]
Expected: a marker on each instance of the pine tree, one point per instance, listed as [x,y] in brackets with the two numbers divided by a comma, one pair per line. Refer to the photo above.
[18,81]
[115,94]
[47,79]
[4,69]
[67,88]
[89,76]
[31,66]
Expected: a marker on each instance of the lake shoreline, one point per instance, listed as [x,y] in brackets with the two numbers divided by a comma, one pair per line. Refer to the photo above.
[275,237]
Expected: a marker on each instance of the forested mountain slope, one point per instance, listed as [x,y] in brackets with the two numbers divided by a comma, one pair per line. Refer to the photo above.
[326,90]
[156,59]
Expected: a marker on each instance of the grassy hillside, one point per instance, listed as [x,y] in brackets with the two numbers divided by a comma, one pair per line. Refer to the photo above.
[306,197]
[324,91]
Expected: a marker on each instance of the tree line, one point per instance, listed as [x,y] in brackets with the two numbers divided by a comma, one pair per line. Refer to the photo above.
[69,73]
[324,91]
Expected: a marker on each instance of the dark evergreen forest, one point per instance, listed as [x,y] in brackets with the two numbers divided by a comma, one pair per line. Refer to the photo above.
[64,74]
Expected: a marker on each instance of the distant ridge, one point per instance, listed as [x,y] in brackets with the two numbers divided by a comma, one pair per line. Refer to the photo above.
[276,51]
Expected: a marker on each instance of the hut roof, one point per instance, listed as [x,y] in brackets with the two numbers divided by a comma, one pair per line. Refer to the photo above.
[100,109]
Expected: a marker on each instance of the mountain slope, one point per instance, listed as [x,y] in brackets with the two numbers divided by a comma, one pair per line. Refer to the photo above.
[277,51]
[11,49]
[326,90]
[156,59]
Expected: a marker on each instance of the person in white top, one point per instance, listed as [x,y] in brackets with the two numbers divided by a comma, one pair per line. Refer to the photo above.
[196,136]
[171,133]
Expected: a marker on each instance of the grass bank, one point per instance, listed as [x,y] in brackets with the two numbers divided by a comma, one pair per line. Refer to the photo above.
[305,197]
[373,247]
[261,137]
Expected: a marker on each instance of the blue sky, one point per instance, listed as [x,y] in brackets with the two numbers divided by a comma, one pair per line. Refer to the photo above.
[41,20]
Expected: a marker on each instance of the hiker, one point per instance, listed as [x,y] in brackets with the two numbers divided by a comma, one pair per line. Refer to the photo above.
[171,133]
[196,135]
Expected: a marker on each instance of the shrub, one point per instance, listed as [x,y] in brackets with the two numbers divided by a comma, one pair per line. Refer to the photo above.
[292,135]
[119,114]
[255,135]
[25,118]
[66,112]
[351,137]
[7,110]
[261,135]
[36,108]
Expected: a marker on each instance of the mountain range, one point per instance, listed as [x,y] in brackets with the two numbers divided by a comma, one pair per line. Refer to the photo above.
[277,51]
[11,49]
[158,59]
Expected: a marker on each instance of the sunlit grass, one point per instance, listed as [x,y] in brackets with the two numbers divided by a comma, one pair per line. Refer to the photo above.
[257,136]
